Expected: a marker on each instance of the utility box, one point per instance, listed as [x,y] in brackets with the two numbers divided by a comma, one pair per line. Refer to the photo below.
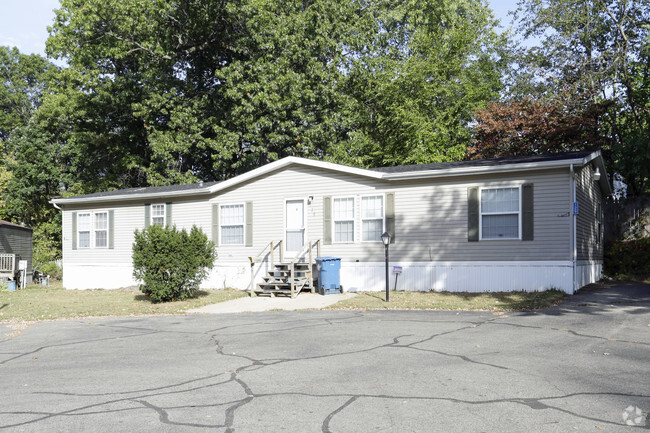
[329,275]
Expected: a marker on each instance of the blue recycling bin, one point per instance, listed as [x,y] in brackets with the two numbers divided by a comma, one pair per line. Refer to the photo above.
[329,275]
[11,286]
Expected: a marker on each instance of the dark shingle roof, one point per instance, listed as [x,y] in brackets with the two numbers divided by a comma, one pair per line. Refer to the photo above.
[149,190]
[485,162]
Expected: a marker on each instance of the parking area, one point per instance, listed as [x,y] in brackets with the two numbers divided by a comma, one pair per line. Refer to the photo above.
[583,366]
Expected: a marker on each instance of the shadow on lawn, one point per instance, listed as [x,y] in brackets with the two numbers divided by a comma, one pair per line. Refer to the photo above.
[145,298]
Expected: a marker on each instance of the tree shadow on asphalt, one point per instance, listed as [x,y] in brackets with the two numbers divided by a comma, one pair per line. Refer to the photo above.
[603,297]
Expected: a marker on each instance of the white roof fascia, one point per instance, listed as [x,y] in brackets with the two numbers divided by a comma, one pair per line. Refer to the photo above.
[290,160]
[424,174]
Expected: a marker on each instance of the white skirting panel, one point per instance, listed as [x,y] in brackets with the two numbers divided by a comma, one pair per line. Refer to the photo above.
[235,276]
[588,272]
[82,276]
[116,276]
[370,276]
[460,276]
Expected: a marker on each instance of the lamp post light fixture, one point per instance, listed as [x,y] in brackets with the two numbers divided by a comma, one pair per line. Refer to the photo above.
[385,238]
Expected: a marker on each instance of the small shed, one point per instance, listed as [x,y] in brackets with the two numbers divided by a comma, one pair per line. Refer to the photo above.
[16,241]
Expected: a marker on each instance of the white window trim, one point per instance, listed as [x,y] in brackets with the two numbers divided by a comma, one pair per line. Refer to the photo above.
[164,215]
[243,224]
[92,244]
[354,220]
[362,219]
[480,213]
[94,230]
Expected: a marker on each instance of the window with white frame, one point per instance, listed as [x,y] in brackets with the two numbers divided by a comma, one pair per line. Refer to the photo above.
[158,214]
[232,224]
[83,230]
[500,213]
[101,229]
[372,218]
[343,219]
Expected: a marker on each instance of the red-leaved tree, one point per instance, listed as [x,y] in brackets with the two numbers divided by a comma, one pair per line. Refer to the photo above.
[529,127]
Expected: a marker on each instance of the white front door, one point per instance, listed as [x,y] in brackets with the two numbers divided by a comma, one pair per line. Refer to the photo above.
[295,225]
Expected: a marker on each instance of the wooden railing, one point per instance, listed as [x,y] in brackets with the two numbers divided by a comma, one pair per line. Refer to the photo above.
[262,256]
[310,270]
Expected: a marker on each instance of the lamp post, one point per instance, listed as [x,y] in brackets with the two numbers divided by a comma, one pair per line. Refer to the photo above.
[385,238]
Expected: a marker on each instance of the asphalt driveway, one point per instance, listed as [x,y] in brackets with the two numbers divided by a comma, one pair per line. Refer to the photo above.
[579,367]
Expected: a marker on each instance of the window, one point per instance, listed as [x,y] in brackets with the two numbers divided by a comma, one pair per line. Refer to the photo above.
[101,229]
[372,218]
[232,224]
[343,219]
[500,210]
[158,214]
[83,230]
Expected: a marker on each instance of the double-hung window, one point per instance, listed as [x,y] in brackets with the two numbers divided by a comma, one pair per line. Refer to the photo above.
[83,229]
[92,230]
[101,229]
[158,214]
[343,219]
[232,224]
[372,218]
[500,212]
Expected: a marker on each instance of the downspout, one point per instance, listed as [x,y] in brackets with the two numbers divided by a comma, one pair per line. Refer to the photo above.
[574,216]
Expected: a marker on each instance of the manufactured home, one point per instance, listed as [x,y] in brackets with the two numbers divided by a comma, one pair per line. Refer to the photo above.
[520,223]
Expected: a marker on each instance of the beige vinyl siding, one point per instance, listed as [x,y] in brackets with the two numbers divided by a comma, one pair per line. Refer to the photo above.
[127,217]
[588,195]
[431,215]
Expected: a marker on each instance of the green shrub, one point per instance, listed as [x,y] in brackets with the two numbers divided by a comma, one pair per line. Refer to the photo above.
[628,258]
[171,263]
[51,269]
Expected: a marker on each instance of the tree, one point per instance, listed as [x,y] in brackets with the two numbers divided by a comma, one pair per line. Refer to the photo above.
[600,50]
[528,126]
[24,80]
[415,90]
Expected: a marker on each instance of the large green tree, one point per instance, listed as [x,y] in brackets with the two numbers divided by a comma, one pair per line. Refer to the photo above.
[597,52]
[414,91]
[24,80]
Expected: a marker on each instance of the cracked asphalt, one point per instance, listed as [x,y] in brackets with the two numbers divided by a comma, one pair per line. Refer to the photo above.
[576,367]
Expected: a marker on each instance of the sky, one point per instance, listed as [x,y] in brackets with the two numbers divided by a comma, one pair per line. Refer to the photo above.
[23,23]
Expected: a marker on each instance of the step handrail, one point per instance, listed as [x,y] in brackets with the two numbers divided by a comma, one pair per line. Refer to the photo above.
[258,259]
[310,272]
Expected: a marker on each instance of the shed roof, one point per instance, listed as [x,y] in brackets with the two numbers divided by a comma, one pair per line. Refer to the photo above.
[12,225]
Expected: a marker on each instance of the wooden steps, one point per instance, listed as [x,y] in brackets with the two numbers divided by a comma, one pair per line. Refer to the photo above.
[277,281]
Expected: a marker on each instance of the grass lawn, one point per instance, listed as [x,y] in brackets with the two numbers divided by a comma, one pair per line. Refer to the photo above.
[46,303]
[500,301]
